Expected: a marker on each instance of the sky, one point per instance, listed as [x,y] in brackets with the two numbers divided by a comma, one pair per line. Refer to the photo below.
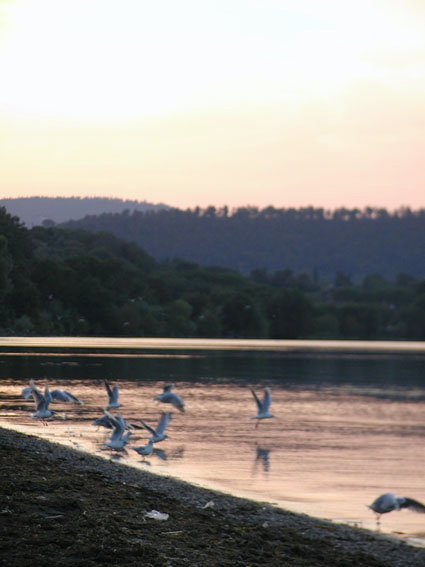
[288,103]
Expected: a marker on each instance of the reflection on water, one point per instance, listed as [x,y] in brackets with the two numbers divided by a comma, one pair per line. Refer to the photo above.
[262,460]
[345,429]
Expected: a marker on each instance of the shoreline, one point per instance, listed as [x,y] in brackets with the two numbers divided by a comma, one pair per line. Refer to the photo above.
[61,502]
[287,346]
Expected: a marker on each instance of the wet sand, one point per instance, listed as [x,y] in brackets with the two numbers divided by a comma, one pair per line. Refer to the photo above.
[60,506]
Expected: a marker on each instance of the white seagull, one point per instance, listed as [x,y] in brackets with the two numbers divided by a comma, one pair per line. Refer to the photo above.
[54,395]
[389,502]
[41,403]
[113,396]
[159,434]
[65,397]
[263,406]
[168,397]
[119,438]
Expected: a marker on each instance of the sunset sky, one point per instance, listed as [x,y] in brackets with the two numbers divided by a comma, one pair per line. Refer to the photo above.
[214,102]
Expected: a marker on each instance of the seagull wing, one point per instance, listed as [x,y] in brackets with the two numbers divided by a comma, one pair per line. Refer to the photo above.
[59,396]
[163,423]
[177,402]
[104,421]
[112,418]
[26,392]
[412,505]
[73,399]
[148,427]
[161,454]
[108,390]
[257,400]
[115,394]
[267,400]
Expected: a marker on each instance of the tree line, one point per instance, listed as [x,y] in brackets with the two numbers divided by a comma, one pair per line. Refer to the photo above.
[56,281]
[33,211]
[355,241]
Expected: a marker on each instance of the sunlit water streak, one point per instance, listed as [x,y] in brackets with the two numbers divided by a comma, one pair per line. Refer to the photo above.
[330,450]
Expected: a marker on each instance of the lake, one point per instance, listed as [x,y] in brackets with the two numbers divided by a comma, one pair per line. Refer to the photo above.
[349,416]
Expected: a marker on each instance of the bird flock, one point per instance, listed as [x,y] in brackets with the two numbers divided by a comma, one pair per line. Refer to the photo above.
[122,431]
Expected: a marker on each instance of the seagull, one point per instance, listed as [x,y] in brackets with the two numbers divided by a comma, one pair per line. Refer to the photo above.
[106,421]
[159,434]
[41,403]
[145,450]
[389,502]
[168,397]
[113,396]
[118,439]
[53,396]
[263,406]
[65,397]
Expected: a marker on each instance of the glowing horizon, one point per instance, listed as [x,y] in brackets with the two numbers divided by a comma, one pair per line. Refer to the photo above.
[278,102]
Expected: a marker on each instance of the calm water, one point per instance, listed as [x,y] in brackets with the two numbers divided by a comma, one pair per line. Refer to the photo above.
[348,427]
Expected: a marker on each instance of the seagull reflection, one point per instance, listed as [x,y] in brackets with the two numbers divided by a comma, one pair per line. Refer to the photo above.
[262,458]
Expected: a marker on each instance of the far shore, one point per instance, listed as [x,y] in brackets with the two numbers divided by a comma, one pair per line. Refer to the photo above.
[305,346]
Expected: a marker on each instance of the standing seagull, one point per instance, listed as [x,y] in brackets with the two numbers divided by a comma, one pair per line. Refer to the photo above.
[159,434]
[113,396]
[41,403]
[263,406]
[168,397]
[145,450]
[389,502]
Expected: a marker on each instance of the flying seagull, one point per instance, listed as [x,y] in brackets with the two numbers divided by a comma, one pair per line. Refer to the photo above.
[53,396]
[159,434]
[41,403]
[263,406]
[113,396]
[389,502]
[168,397]
[119,438]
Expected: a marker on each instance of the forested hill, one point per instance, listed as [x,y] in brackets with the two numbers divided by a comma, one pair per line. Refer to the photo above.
[34,211]
[323,243]
[63,282]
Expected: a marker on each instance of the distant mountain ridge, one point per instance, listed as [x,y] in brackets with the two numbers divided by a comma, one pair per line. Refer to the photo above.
[310,240]
[34,211]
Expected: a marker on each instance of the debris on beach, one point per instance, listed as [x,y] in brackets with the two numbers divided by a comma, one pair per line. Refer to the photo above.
[155,515]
